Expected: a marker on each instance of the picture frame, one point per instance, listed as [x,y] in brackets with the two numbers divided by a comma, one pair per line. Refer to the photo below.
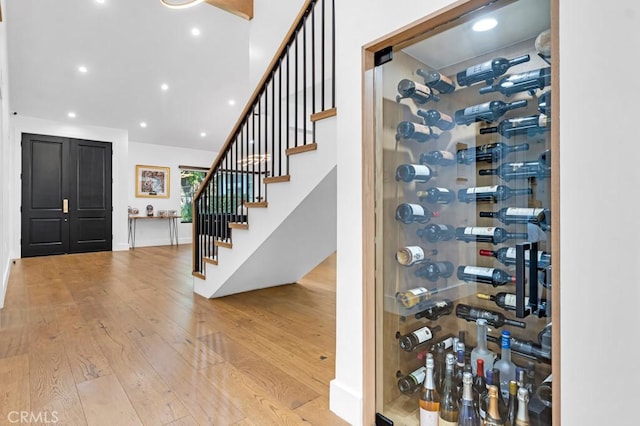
[152,181]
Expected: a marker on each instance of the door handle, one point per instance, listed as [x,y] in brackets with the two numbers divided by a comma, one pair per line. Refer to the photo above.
[65,206]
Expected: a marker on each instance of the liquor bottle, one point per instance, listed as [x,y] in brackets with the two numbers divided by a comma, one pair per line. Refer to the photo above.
[490,152]
[429,397]
[530,125]
[502,403]
[505,365]
[487,234]
[544,103]
[435,80]
[420,93]
[509,215]
[526,348]
[418,132]
[480,352]
[520,170]
[493,193]
[479,381]
[410,255]
[414,172]
[410,341]
[436,118]
[522,418]
[412,297]
[437,310]
[449,401]
[439,158]
[436,195]
[468,414]
[410,383]
[493,417]
[436,232]
[507,256]
[494,319]
[508,301]
[488,111]
[410,213]
[494,276]
[433,271]
[440,366]
[512,403]
[489,70]
[528,81]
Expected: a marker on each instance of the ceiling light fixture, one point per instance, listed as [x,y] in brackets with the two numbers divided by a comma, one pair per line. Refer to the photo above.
[232,102]
[484,25]
[164,87]
[143,124]
[203,134]
[83,69]
[195,32]
[72,115]
[180,4]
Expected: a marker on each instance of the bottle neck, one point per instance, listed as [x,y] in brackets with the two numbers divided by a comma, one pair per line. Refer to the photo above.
[428,381]
[467,392]
[482,338]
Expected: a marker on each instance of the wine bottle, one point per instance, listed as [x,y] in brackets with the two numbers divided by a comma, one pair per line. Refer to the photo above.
[528,81]
[418,132]
[438,309]
[440,366]
[412,297]
[436,195]
[436,232]
[410,213]
[508,301]
[490,193]
[505,365]
[526,348]
[502,404]
[410,383]
[490,153]
[544,103]
[489,70]
[487,234]
[458,370]
[494,319]
[468,413]
[414,173]
[507,256]
[444,343]
[494,276]
[512,402]
[522,418]
[410,255]
[449,401]
[419,93]
[435,80]
[479,382]
[481,352]
[429,397]
[433,271]
[522,170]
[410,341]
[437,119]
[493,417]
[483,402]
[530,125]
[488,111]
[439,158]
[510,215]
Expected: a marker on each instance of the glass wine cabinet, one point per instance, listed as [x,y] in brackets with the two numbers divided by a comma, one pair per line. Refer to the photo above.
[462,193]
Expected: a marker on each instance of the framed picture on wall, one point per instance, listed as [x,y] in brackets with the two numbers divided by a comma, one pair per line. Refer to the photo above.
[152,181]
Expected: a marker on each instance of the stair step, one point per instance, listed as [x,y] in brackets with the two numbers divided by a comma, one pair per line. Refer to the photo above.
[302,148]
[210,260]
[199,275]
[276,179]
[220,243]
[324,114]
[238,225]
[259,204]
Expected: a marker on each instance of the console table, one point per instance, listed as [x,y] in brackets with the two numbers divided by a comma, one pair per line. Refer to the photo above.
[173,227]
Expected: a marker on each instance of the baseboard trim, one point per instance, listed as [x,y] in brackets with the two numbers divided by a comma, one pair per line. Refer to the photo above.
[345,403]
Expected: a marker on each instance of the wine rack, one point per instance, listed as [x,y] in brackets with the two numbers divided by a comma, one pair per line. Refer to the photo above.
[481,216]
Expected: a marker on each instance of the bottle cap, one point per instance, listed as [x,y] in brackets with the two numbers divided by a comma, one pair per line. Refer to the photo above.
[513,387]
[451,360]
[523,395]
[467,378]
[430,362]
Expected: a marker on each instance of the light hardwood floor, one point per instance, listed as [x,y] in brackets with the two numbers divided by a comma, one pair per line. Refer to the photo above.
[119,338]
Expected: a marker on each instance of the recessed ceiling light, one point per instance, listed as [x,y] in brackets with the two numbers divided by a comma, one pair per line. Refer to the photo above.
[164,87]
[100,1]
[203,134]
[232,102]
[484,24]
[83,69]
[143,124]
[195,32]
[71,115]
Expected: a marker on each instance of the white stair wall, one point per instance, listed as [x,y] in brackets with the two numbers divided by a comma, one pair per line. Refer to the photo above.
[292,235]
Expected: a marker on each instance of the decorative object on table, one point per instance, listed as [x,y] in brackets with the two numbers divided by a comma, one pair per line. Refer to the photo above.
[162,213]
[173,212]
[149,210]
[152,181]
[135,210]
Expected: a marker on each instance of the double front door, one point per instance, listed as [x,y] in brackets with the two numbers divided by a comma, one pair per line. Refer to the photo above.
[66,195]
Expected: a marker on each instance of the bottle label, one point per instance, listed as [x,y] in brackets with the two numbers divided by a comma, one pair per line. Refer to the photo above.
[447,343]
[482,189]
[422,89]
[510,300]
[442,228]
[421,171]
[478,270]
[416,209]
[477,109]
[542,120]
[523,211]
[418,291]
[418,375]
[410,255]
[421,128]
[429,418]
[443,422]
[423,334]
[480,230]
[477,69]
[443,189]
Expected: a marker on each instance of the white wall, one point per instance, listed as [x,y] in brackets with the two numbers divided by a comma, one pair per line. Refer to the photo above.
[5,172]
[156,232]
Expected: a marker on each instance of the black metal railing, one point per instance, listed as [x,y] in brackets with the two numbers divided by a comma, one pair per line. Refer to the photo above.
[299,85]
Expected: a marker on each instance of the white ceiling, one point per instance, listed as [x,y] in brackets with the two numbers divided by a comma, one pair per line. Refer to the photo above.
[130,47]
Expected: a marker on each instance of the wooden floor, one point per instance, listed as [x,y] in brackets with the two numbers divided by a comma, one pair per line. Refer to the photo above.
[119,338]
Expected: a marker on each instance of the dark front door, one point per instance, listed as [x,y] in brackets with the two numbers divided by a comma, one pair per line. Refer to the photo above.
[66,195]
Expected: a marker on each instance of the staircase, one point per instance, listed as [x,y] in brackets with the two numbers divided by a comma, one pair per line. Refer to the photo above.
[265,214]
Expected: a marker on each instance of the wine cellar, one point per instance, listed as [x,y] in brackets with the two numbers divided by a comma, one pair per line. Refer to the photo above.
[459,188]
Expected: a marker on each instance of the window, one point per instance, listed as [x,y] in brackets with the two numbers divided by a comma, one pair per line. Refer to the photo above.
[190,179]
